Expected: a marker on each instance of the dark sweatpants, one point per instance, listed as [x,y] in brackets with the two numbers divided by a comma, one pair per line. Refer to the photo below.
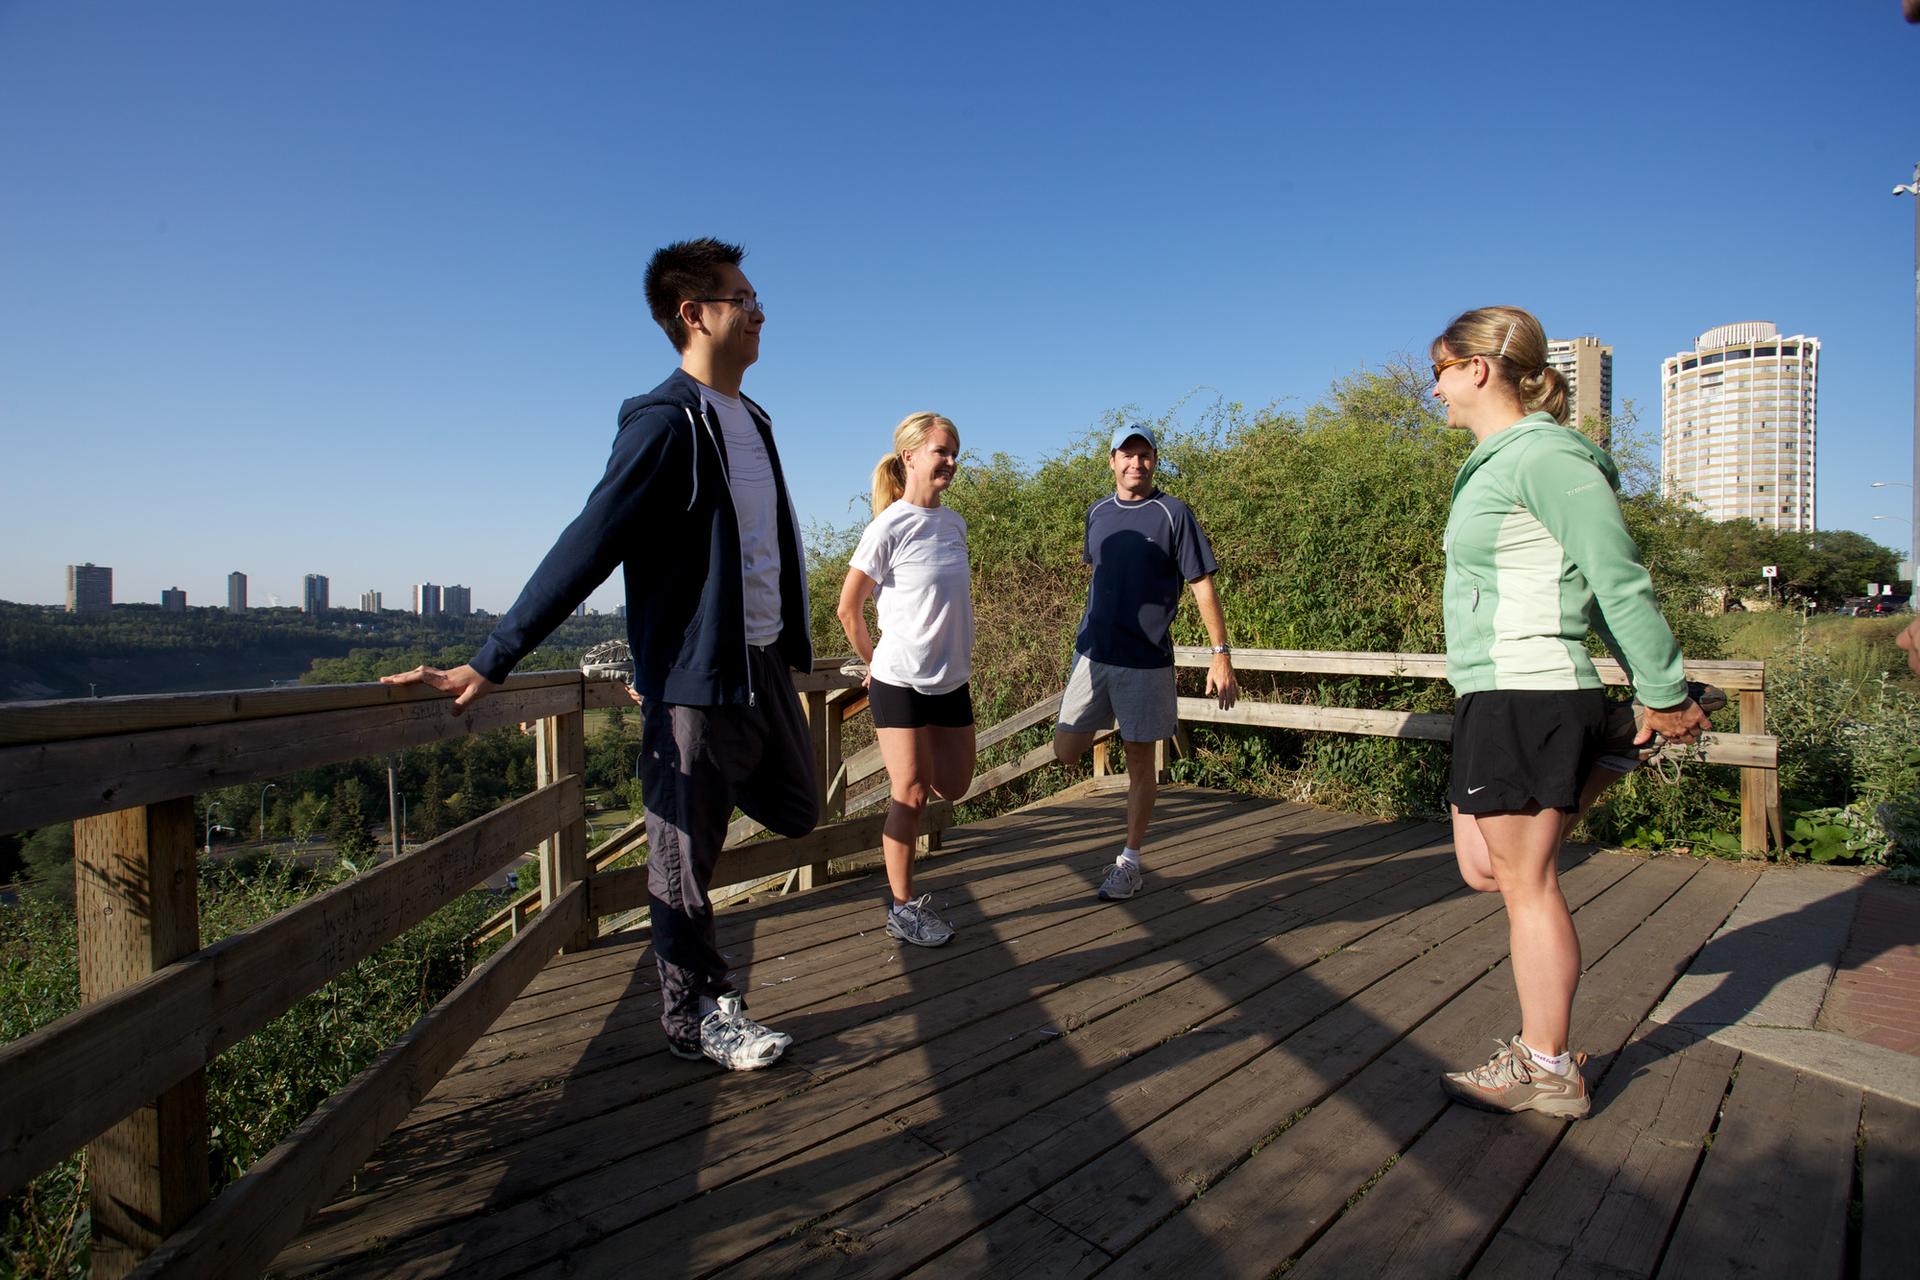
[698,763]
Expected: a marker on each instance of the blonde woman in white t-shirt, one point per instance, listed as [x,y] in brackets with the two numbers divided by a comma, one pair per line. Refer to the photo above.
[913,561]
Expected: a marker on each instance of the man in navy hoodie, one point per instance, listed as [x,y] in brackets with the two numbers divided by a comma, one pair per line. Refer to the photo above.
[694,505]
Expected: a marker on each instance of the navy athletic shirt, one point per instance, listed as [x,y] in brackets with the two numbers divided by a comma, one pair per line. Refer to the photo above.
[1140,552]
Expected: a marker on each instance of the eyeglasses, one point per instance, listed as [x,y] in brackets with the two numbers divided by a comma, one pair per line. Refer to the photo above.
[749,303]
[1445,365]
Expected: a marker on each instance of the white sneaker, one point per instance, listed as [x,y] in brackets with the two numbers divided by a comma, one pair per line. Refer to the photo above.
[737,1042]
[1123,881]
[916,923]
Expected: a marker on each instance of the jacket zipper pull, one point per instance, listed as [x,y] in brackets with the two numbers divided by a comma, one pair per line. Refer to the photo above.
[1476,599]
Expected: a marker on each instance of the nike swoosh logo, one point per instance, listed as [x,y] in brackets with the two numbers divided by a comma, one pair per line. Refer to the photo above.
[1474,791]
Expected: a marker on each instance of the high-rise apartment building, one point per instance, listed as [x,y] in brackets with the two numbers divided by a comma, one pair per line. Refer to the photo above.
[458,601]
[236,592]
[426,600]
[369,602]
[89,588]
[173,600]
[314,590]
[1737,418]
[1587,365]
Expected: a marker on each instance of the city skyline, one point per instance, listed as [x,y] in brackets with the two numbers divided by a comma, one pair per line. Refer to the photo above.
[357,337]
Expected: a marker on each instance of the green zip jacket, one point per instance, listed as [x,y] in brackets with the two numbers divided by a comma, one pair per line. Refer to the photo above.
[1534,542]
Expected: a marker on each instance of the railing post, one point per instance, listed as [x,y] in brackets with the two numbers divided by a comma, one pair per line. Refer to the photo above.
[1102,759]
[1759,788]
[823,727]
[137,901]
[561,749]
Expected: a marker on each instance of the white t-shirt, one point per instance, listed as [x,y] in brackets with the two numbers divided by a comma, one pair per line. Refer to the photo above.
[755,506]
[918,558]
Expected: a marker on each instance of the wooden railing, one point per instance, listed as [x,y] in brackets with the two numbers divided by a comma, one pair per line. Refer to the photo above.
[123,1075]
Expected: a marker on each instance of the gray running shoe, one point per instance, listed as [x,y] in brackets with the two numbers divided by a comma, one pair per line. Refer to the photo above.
[1123,881]
[1512,1082]
[916,923]
[1618,751]
[737,1042]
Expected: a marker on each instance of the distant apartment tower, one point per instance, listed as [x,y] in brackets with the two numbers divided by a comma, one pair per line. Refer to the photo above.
[1587,365]
[315,594]
[426,600]
[1737,418]
[369,602]
[236,592]
[458,601]
[89,588]
[173,600]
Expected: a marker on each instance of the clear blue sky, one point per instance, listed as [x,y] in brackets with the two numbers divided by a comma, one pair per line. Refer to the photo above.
[355,289]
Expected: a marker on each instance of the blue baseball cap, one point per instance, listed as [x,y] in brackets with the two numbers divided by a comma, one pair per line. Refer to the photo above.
[1123,434]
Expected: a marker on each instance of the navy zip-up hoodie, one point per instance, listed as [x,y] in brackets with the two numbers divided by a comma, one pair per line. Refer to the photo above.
[664,509]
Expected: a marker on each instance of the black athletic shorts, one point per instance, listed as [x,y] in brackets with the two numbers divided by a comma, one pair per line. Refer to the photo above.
[896,707]
[1515,747]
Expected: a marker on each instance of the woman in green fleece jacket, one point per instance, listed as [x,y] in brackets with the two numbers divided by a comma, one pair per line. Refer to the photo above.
[1537,555]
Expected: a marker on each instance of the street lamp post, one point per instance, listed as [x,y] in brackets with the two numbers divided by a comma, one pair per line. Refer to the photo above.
[1913,189]
[271,786]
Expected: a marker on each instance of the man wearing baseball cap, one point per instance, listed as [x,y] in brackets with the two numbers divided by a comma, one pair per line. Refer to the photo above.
[1142,544]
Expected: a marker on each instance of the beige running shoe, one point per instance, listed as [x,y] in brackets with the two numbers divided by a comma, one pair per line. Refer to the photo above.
[1512,1082]
[1620,753]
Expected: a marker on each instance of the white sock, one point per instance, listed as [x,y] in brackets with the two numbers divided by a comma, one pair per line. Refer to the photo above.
[898,906]
[1131,857]
[1560,1063]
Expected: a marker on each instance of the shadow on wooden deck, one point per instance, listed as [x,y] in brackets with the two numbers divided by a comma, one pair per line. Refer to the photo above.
[1231,1074]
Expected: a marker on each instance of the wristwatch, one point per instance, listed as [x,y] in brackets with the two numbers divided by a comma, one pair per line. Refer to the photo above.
[1221,648]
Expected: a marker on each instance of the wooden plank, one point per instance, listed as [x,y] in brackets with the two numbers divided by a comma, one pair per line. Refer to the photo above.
[137,903]
[1771,1196]
[63,719]
[67,1082]
[560,750]
[611,1196]
[1428,725]
[1032,1119]
[600,692]
[56,781]
[825,950]
[1369,1081]
[823,681]
[626,889]
[1444,1199]
[1731,675]
[1890,1170]
[239,1234]
[1605,1202]
[995,977]
[1753,782]
[1038,758]
[1020,1244]
[1756,751]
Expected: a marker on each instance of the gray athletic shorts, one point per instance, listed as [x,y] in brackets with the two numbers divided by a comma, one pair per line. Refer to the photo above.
[1140,698]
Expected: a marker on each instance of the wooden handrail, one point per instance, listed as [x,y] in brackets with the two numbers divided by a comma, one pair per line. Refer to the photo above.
[1731,675]
[239,1234]
[67,1082]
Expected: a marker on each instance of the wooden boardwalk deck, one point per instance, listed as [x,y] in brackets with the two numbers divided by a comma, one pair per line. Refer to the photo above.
[1231,1074]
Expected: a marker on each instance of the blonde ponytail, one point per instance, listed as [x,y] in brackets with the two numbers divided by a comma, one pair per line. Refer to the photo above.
[1544,390]
[889,482]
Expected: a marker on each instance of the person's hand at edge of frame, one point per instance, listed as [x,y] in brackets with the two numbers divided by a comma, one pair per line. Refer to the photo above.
[1221,683]
[463,681]
[1683,724]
